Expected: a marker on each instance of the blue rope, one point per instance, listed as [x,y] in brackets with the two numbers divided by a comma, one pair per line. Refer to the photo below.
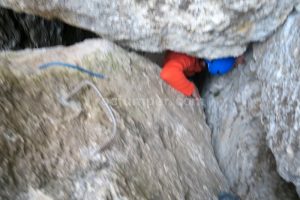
[76,67]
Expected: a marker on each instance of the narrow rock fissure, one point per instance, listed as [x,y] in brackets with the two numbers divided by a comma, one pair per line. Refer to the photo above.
[19,31]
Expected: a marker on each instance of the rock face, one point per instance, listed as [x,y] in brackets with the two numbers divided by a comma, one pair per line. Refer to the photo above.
[210,28]
[279,70]
[49,147]
[254,116]
[239,138]
[19,31]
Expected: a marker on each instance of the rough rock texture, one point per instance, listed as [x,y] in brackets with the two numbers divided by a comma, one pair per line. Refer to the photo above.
[279,71]
[48,148]
[255,108]
[233,110]
[207,28]
[27,31]
[298,7]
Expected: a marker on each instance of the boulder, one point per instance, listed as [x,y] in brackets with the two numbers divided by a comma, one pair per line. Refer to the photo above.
[210,28]
[278,69]
[254,115]
[239,138]
[50,146]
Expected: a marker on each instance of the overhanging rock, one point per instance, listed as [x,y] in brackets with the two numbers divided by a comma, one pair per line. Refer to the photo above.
[209,28]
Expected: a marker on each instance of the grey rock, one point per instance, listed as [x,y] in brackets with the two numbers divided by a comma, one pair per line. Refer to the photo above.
[49,151]
[254,116]
[278,70]
[239,138]
[210,28]
[298,7]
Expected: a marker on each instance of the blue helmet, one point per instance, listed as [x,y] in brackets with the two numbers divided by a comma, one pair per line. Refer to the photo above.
[220,66]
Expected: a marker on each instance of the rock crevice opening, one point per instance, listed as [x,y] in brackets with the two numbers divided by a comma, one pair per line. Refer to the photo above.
[20,30]
[162,151]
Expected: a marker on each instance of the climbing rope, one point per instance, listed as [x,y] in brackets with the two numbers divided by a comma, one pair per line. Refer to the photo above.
[108,110]
[76,67]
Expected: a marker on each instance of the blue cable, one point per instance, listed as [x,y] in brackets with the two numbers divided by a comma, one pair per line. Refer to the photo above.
[76,67]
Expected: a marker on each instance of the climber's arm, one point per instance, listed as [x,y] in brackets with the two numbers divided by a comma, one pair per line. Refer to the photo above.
[173,74]
[240,60]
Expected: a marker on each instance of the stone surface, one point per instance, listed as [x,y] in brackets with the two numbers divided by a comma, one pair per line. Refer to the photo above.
[209,28]
[18,31]
[279,70]
[298,7]
[49,149]
[254,115]
[239,139]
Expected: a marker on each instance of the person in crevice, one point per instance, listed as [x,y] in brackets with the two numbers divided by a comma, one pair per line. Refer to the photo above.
[178,68]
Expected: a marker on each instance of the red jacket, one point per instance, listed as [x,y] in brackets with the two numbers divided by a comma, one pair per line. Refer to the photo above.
[176,67]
